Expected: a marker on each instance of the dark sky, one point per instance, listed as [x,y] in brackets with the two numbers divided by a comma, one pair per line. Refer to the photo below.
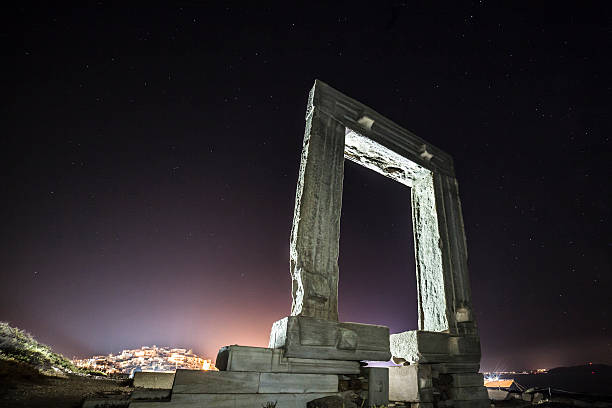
[151,155]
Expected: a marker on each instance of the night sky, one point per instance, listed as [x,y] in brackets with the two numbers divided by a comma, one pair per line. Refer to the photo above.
[151,157]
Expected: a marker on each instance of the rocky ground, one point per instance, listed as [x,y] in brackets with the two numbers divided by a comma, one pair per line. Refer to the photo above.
[23,386]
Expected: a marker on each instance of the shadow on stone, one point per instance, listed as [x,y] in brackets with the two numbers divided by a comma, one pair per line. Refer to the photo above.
[331,402]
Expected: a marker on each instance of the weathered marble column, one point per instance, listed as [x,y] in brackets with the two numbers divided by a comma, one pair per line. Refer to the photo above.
[432,287]
[315,233]
[441,256]
[454,256]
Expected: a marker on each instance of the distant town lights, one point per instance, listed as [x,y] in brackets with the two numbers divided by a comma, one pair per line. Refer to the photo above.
[153,358]
[491,377]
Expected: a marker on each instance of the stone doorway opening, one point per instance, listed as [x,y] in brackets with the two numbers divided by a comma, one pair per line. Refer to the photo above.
[377,267]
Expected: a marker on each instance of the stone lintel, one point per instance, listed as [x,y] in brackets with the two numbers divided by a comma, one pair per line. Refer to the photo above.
[369,154]
[260,359]
[366,121]
[310,338]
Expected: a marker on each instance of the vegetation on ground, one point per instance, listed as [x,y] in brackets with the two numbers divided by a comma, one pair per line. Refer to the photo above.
[19,346]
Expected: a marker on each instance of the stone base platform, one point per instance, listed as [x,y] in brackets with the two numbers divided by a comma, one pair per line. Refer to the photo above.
[242,389]
[234,400]
[424,385]
[311,338]
[220,382]
[439,369]
[307,359]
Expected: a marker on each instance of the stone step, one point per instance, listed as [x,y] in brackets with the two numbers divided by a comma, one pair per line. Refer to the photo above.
[454,368]
[148,379]
[214,382]
[297,383]
[150,394]
[234,382]
[234,400]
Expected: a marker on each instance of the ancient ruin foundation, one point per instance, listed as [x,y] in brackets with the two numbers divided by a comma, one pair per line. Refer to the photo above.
[311,354]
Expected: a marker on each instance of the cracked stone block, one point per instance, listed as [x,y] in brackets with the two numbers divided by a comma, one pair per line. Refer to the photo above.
[465,346]
[233,382]
[482,403]
[348,339]
[214,382]
[467,380]
[154,380]
[452,368]
[260,359]
[306,337]
[284,383]
[378,385]
[293,400]
[374,156]
[417,346]
[410,383]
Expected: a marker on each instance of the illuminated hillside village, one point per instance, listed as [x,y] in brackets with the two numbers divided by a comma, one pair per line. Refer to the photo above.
[146,359]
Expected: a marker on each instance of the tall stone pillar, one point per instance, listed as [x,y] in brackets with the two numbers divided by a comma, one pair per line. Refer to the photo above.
[434,293]
[454,256]
[315,234]
[313,330]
